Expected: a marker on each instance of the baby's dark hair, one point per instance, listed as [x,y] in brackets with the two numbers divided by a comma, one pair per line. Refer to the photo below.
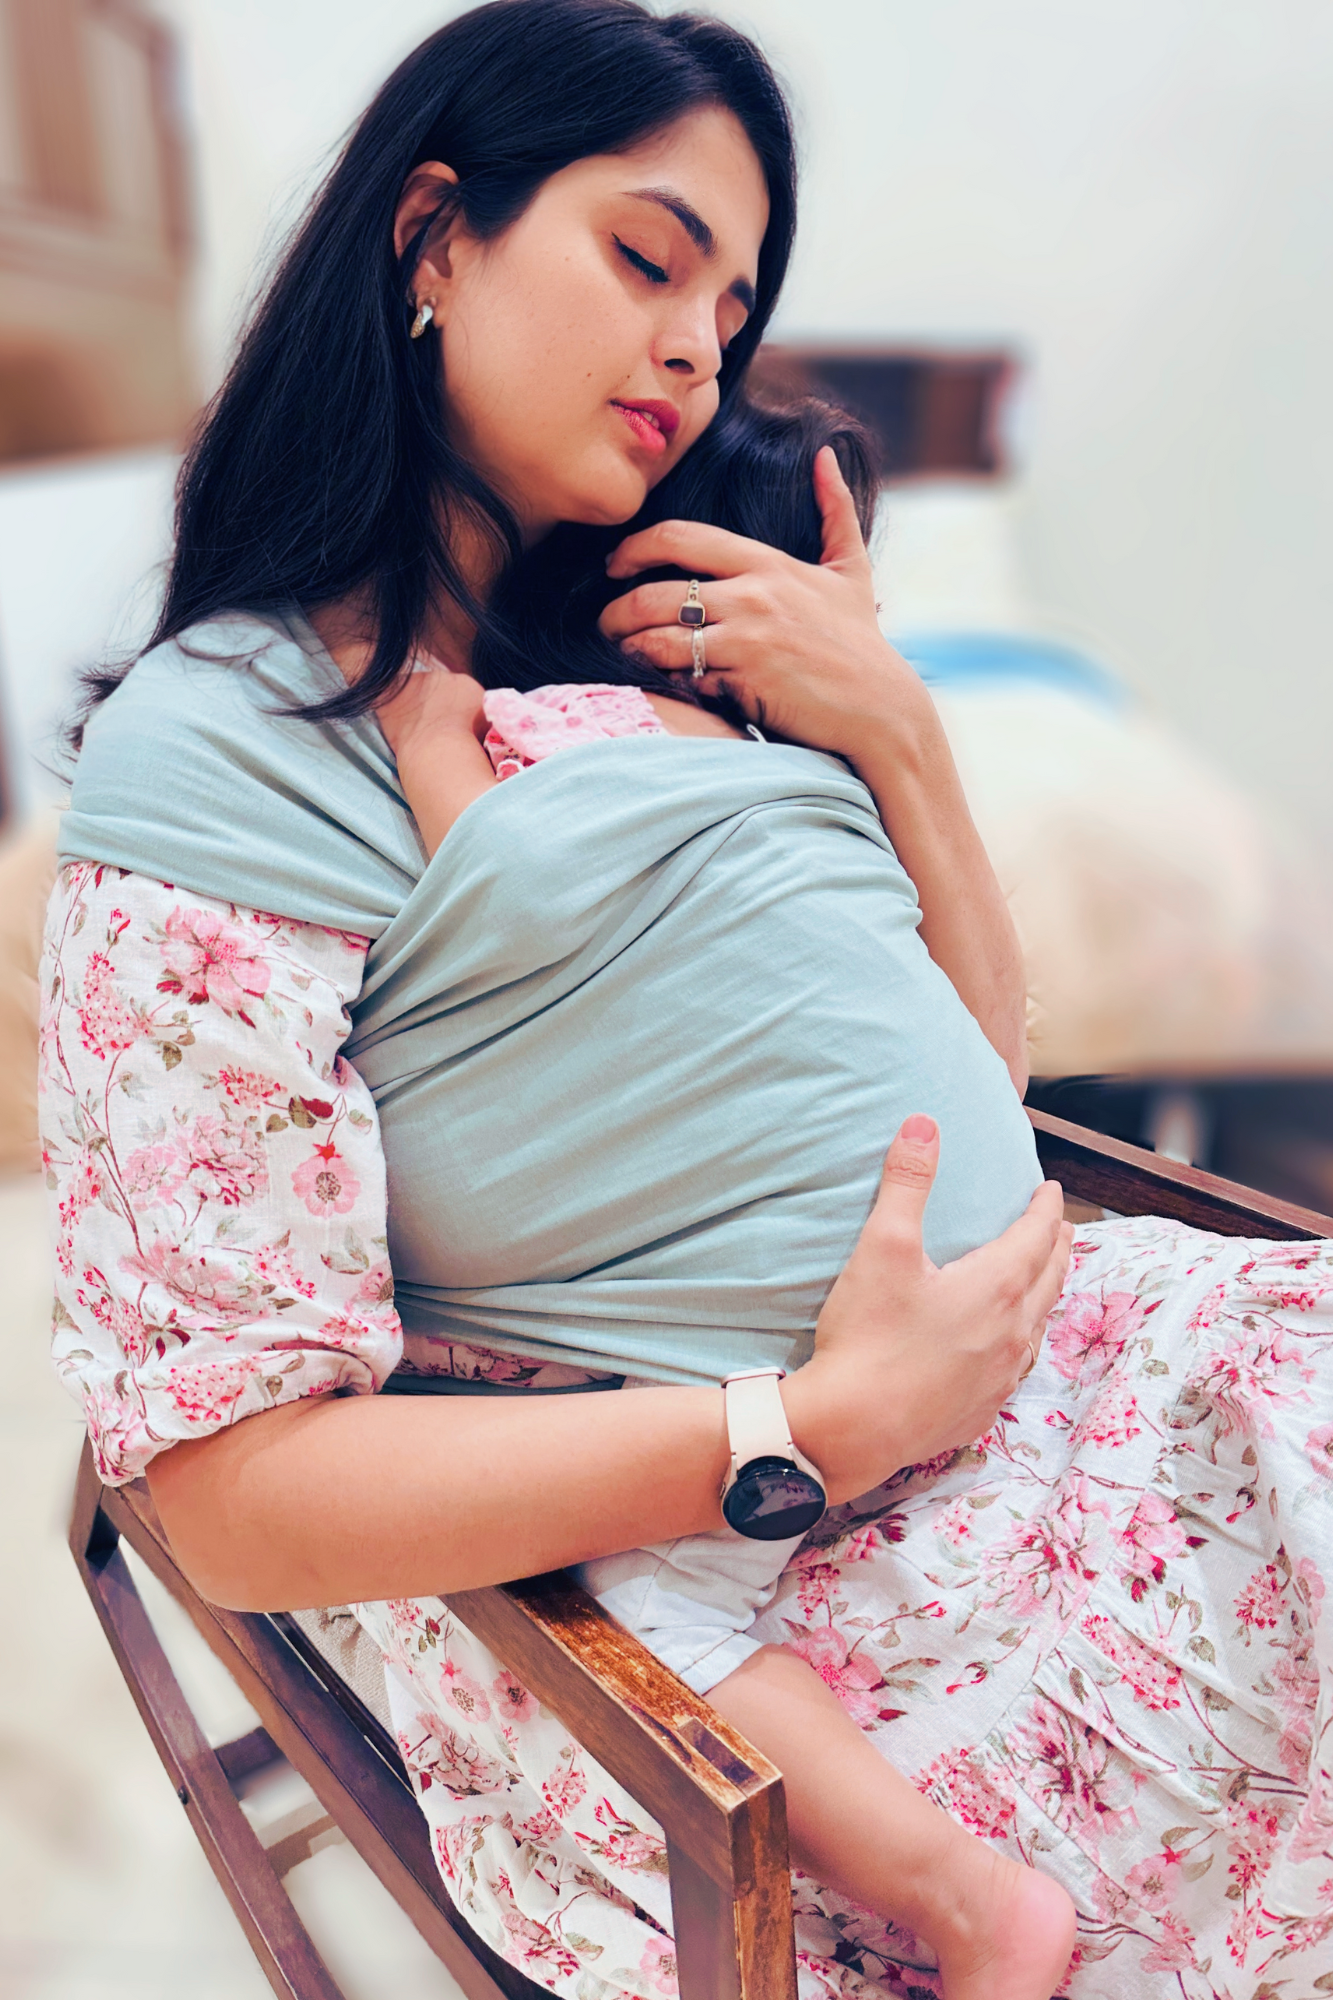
[752,473]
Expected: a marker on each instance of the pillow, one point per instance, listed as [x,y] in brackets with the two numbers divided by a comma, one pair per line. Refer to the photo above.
[1165,924]
[27,872]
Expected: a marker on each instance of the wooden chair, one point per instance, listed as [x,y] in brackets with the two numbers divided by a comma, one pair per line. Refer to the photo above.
[719,1802]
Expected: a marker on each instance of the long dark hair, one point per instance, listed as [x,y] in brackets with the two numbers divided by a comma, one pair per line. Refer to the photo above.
[323,469]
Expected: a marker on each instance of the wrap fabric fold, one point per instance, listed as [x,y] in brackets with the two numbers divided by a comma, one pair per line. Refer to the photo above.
[638,1034]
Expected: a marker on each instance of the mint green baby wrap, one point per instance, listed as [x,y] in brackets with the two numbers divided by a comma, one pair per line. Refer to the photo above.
[639,1034]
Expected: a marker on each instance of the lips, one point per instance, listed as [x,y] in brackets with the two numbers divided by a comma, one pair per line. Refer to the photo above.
[654,424]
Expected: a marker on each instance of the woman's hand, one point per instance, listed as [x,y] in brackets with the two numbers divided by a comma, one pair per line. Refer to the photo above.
[911,1360]
[798,644]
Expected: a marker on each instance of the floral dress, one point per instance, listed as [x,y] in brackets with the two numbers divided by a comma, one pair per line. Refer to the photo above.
[1098,1637]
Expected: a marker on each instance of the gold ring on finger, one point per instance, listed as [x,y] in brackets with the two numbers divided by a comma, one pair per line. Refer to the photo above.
[1032,1361]
[698,662]
[692,610]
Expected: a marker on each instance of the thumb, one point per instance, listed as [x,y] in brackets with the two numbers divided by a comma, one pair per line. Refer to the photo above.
[842,540]
[909,1175]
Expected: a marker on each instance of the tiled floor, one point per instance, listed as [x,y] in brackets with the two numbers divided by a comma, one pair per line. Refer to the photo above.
[104,1894]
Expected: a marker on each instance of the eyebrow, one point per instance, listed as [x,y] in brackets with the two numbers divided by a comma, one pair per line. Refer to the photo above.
[698,232]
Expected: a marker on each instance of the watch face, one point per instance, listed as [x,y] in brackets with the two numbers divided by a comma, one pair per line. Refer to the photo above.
[773,1500]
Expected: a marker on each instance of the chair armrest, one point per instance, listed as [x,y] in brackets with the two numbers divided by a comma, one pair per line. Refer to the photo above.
[718,1800]
[1133,1181]
[720,1803]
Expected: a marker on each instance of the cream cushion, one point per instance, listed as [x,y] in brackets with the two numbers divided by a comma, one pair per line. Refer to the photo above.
[27,871]
[1166,924]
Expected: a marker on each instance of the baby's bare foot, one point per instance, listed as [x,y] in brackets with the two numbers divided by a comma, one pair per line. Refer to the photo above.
[1012,1934]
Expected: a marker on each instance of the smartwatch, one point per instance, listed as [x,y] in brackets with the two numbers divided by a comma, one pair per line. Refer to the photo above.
[772,1493]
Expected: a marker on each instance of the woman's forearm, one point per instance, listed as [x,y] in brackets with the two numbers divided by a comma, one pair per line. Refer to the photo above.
[965,921]
[366,1497]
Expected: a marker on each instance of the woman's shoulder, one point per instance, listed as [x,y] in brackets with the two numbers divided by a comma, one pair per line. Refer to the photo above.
[201,769]
[247,656]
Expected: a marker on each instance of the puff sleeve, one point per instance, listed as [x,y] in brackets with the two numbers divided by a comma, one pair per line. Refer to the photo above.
[216,1175]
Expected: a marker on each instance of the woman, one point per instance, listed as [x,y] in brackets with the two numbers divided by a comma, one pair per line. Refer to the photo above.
[577,209]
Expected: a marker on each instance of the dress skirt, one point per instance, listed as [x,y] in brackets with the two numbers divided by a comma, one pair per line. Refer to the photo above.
[1098,1638]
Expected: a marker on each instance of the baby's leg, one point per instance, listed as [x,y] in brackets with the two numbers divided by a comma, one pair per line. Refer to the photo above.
[999,1930]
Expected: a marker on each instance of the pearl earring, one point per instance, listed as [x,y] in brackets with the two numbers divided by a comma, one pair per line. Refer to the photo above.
[425,314]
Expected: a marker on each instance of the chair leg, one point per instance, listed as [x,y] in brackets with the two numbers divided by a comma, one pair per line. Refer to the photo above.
[725,1821]
[715,1959]
[279,1939]
[358,1782]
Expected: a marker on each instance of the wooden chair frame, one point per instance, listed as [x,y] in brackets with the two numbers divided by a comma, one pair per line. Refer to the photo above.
[718,1801]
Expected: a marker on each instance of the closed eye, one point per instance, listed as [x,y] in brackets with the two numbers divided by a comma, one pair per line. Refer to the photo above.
[653,272]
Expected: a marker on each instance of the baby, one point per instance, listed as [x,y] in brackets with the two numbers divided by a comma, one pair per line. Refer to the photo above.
[999,1931]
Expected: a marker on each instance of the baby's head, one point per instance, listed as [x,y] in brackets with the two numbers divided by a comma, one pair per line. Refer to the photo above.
[752,473]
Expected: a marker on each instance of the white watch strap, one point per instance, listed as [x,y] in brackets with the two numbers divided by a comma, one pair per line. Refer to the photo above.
[756,1418]
[757,1421]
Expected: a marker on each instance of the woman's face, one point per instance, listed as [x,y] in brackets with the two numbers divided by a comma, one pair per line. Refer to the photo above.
[582,347]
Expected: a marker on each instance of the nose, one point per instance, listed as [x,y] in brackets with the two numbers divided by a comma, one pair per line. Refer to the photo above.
[689,344]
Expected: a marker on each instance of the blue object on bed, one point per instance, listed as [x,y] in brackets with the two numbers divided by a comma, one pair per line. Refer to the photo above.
[952,659]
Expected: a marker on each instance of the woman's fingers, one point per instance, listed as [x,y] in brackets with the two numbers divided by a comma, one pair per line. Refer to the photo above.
[693,546]
[1016,1260]
[655,606]
[842,539]
[1037,1305]
[671,648]
[1041,1220]
[910,1165]
[1041,1295]
[1049,1283]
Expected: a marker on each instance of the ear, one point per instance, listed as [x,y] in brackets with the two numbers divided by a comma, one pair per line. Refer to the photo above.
[419,200]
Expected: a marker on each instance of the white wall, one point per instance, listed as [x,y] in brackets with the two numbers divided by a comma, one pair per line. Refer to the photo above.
[81,542]
[1137,192]
[1140,192]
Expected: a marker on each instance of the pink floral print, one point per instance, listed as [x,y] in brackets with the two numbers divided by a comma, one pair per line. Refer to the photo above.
[524,728]
[325,1182]
[1319,1450]
[1153,1678]
[853,1678]
[107,1023]
[1098,1637]
[216,1169]
[1093,1333]
[208,959]
[963,1786]
[659,1964]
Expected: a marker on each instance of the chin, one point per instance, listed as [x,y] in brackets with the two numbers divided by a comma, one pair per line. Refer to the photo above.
[610,495]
